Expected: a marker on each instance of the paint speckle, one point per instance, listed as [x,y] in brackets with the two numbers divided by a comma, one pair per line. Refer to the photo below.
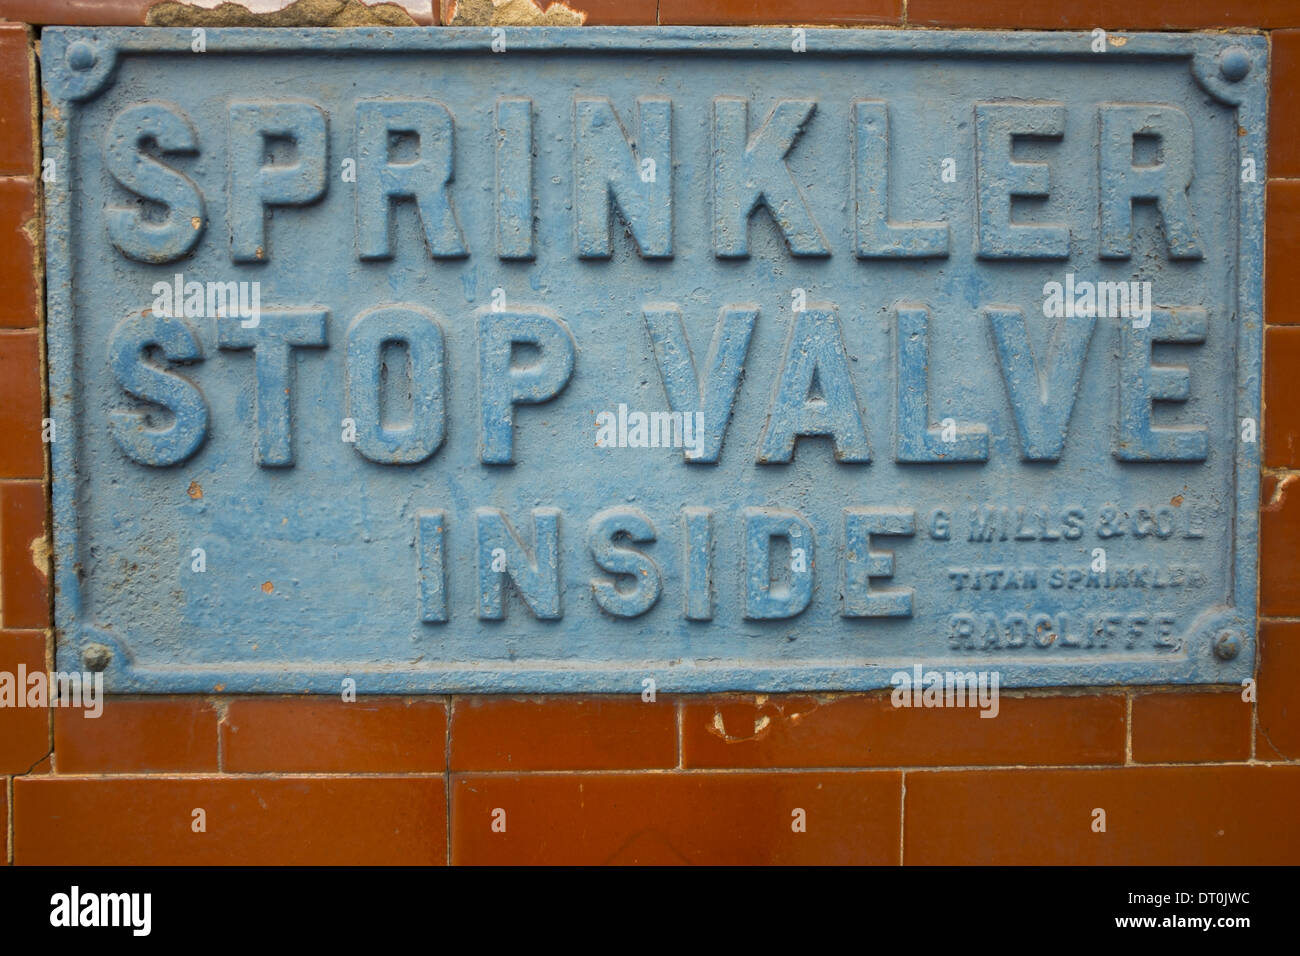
[1176,501]
[195,490]
[267,587]
[196,222]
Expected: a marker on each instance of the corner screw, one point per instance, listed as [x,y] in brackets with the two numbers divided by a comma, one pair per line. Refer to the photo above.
[96,657]
[81,56]
[1227,645]
[1234,64]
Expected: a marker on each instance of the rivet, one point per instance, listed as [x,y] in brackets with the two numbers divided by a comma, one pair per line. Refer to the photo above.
[81,56]
[96,657]
[1234,64]
[1227,645]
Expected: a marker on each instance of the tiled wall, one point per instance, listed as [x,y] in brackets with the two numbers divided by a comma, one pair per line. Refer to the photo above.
[1185,776]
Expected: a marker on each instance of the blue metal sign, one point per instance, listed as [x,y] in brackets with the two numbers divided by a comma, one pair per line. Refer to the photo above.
[548,360]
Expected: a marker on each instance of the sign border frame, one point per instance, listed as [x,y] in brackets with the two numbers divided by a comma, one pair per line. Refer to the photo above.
[1204,53]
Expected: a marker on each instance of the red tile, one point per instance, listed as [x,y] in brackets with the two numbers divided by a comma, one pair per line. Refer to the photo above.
[1278,692]
[563,733]
[177,734]
[328,735]
[734,12]
[673,818]
[1282,397]
[284,13]
[73,12]
[1107,14]
[1153,816]
[22,454]
[134,12]
[25,729]
[612,13]
[17,118]
[1281,249]
[1284,104]
[259,821]
[598,12]
[1279,546]
[19,278]
[24,547]
[1191,727]
[866,730]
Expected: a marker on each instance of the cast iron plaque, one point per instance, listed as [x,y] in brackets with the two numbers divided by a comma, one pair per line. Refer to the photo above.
[547,360]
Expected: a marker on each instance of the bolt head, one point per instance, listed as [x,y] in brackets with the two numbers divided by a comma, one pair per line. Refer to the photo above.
[1234,64]
[81,56]
[96,657]
[1227,645]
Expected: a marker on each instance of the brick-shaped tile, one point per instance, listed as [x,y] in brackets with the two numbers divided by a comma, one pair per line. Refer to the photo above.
[1153,816]
[330,735]
[1107,14]
[1191,726]
[19,277]
[24,719]
[673,818]
[1281,250]
[866,730]
[98,13]
[746,12]
[1278,733]
[1282,397]
[24,555]
[1279,546]
[22,453]
[309,821]
[135,12]
[132,735]
[1284,104]
[599,13]
[563,733]
[17,115]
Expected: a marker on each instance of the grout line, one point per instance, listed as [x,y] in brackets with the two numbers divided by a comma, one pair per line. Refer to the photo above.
[1128,729]
[1254,681]
[222,713]
[902,816]
[681,746]
[446,766]
[670,771]
[43,358]
[50,650]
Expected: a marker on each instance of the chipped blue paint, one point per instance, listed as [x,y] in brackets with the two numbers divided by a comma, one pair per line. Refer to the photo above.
[408,465]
